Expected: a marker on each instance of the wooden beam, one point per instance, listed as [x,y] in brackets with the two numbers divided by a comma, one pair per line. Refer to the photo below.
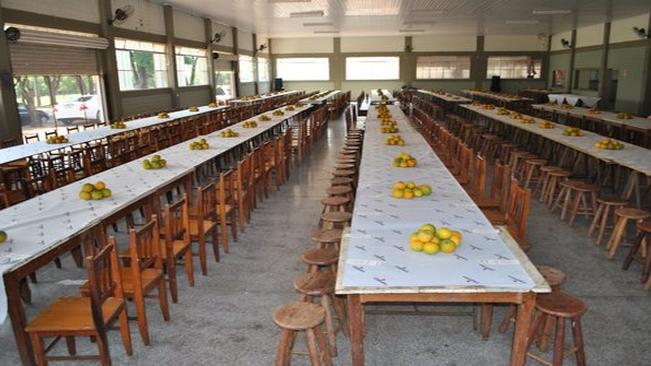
[168,12]
[211,63]
[570,77]
[236,64]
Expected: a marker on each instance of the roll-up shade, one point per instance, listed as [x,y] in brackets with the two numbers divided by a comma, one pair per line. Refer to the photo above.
[39,59]
[61,39]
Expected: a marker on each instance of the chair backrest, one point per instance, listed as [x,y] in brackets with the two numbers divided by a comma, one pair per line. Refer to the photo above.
[518,211]
[144,247]
[500,183]
[104,281]
[88,126]
[225,188]
[206,202]
[49,134]
[31,138]
[177,222]
[478,182]
[71,129]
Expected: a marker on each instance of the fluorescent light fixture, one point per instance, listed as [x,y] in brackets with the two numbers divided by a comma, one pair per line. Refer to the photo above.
[552,12]
[428,11]
[307,14]
[289,1]
[317,24]
[522,21]
[326,31]
[411,30]
[372,11]
[416,22]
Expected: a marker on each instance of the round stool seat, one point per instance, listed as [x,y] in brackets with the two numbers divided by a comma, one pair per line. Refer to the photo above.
[560,304]
[343,173]
[299,316]
[585,187]
[631,213]
[344,166]
[549,168]
[341,181]
[315,283]
[336,216]
[321,256]
[560,173]
[327,235]
[571,183]
[644,226]
[339,190]
[509,145]
[489,136]
[553,276]
[537,162]
[335,200]
[612,201]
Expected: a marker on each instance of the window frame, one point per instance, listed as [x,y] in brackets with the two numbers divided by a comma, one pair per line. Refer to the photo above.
[199,53]
[346,78]
[531,57]
[327,59]
[468,56]
[153,52]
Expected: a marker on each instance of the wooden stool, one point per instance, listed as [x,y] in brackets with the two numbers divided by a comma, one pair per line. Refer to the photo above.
[326,237]
[580,204]
[560,307]
[543,182]
[515,156]
[321,285]
[297,317]
[335,220]
[519,165]
[340,191]
[505,150]
[623,215]
[335,203]
[556,177]
[344,166]
[607,205]
[342,181]
[532,171]
[644,229]
[321,257]
[564,196]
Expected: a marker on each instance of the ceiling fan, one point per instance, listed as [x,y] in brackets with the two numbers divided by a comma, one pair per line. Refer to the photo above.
[121,14]
[218,37]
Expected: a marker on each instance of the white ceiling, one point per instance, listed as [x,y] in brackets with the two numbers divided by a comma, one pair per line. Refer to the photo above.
[387,17]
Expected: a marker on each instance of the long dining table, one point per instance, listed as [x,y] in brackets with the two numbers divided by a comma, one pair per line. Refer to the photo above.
[264,98]
[376,264]
[13,153]
[633,157]
[47,226]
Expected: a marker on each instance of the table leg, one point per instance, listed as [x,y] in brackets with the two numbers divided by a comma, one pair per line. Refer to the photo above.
[522,325]
[18,319]
[355,319]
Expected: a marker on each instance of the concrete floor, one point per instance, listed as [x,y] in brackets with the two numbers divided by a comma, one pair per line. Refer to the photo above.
[226,318]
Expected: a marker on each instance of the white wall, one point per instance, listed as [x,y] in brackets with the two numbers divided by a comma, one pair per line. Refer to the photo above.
[148,17]
[622,30]
[373,44]
[592,35]
[514,43]
[443,43]
[85,10]
[245,40]
[187,26]
[227,34]
[302,45]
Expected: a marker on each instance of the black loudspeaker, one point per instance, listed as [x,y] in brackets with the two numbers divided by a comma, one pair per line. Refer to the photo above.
[278,84]
[495,84]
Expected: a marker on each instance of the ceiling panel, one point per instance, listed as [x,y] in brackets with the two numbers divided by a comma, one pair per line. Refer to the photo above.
[391,17]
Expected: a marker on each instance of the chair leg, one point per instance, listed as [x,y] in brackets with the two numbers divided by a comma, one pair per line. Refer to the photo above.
[323,346]
[486,319]
[559,342]
[104,353]
[329,322]
[215,243]
[162,300]
[312,348]
[39,351]
[224,230]
[578,341]
[125,333]
[202,253]
[71,346]
[506,322]
[604,222]
[283,352]
[634,249]
[171,275]
[189,266]
[141,314]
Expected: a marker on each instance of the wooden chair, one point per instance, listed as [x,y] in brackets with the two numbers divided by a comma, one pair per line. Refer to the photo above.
[227,205]
[49,134]
[91,316]
[72,129]
[498,195]
[145,272]
[517,215]
[31,138]
[243,189]
[176,235]
[203,220]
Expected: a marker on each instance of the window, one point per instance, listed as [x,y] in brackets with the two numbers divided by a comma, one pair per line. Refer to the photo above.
[514,67]
[247,74]
[141,65]
[191,66]
[263,69]
[224,85]
[443,67]
[372,68]
[304,68]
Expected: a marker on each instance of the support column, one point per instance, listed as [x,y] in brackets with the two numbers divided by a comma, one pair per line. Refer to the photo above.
[408,63]
[168,12]
[570,77]
[645,108]
[255,64]
[604,76]
[211,64]
[108,67]
[9,121]
[236,64]
[337,68]
[478,64]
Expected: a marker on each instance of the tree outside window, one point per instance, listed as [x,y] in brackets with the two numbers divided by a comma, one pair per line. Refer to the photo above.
[191,66]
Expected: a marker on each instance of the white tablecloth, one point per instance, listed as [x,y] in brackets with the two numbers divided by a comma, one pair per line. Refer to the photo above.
[374,96]
[573,99]
[322,97]
[264,97]
[48,220]
[24,151]
[638,123]
[632,156]
[450,98]
[378,256]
